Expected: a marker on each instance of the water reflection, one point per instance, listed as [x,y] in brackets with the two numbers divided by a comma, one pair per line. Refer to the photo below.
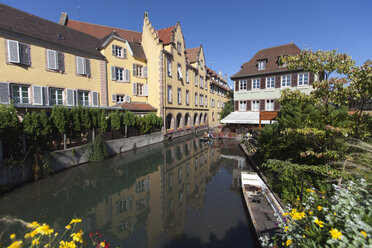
[136,199]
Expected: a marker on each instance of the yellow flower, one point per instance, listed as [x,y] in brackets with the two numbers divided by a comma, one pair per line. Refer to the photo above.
[320,208]
[56,234]
[78,237]
[102,244]
[304,236]
[68,227]
[285,214]
[364,233]
[296,215]
[310,191]
[16,244]
[286,228]
[27,235]
[334,214]
[12,236]
[46,246]
[75,221]
[311,213]
[336,234]
[44,230]
[35,242]
[289,242]
[319,222]
[33,225]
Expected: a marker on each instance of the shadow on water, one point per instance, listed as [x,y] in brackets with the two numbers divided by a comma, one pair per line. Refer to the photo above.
[148,197]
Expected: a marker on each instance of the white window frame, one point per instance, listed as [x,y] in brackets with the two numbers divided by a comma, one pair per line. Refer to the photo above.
[206,101]
[120,98]
[179,95]
[201,100]
[196,80]
[269,104]
[187,75]
[243,85]
[169,67]
[255,105]
[55,57]
[301,79]
[119,51]
[196,99]
[270,82]
[179,72]
[286,80]
[256,83]
[56,93]
[261,65]
[119,74]
[85,95]
[242,105]
[187,97]
[20,97]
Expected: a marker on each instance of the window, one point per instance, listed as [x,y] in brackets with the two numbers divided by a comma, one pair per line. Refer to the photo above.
[169,67]
[83,97]
[269,105]
[196,80]
[187,97]
[139,71]
[201,82]
[255,84]
[179,71]
[285,81]
[120,98]
[179,96]
[56,96]
[256,105]
[201,100]
[187,75]
[118,51]
[243,85]
[83,66]
[261,65]
[140,89]
[196,99]
[206,101]
[55,60]
[303,79]
[270,82]
[213,103]
[169,94]
[18,53]
[20,94]
[218,104]
[242,105]
[119,74]
[179,48]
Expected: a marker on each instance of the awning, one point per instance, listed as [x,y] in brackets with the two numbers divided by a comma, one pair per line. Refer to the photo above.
[247,117]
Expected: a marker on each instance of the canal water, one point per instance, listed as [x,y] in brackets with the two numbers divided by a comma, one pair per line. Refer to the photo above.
[179,193]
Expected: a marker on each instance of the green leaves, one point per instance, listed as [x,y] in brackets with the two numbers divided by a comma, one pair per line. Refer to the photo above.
[10,125]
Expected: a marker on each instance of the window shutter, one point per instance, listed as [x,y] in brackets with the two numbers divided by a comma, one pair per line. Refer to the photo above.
[113,49]
[249,105]
[45,95]
[70,97]
[51,60]
[124,53]
[236,106]
[61,61]
[80,65]
[145,89]
[95,99]
[25,54]
[113,73]
[236,85]
[134,89]
[76,98]
[87,67]
[113,97]
[13,51]
[262,83]
[294,79]
[276,106]
[262,105]
[277,82]
[38,95]
[4,93]
[145,71]
[127,75]
[311,78]
[135,70]
[127,98]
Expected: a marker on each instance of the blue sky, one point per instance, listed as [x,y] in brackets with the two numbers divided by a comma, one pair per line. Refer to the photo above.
[231,32]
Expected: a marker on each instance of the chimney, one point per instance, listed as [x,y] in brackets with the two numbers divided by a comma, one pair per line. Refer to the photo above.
[63,19]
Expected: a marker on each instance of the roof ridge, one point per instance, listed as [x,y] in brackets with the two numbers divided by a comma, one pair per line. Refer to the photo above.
[291,43]
[165,28]
[106,26]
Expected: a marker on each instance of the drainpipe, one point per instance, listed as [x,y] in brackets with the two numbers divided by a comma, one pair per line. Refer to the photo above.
[164,82]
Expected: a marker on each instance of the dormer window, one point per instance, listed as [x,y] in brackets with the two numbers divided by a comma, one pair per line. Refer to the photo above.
[262,65]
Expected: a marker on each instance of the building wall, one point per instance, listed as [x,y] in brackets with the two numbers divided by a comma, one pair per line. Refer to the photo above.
[38,74]
[116,87]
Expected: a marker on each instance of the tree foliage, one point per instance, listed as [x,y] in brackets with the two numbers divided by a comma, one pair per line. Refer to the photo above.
[10,126]
[228,107]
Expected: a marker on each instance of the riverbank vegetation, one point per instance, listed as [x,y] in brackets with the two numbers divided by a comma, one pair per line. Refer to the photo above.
[317,142]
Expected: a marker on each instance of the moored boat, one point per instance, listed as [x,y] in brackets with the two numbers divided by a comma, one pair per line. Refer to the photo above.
[261,204]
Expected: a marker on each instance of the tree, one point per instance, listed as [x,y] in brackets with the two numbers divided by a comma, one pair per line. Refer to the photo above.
[228,107]
[61,119]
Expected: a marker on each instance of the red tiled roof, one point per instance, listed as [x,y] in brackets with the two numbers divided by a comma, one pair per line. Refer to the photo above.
[271,56]
[100,31]
[137,106]
[192,54]
[165,34]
